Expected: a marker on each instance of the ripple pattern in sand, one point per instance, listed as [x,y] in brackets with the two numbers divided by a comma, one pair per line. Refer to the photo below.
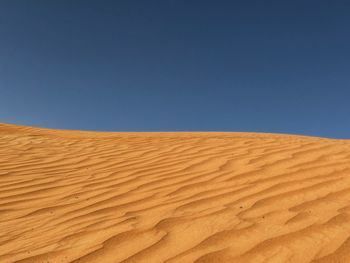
[70,196]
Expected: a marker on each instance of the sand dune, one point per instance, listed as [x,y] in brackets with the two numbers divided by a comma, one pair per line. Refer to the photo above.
[70,196]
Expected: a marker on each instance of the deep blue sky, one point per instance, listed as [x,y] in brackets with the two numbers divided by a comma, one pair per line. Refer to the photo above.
[263,66]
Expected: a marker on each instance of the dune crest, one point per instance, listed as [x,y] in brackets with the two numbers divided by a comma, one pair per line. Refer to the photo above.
[73,196]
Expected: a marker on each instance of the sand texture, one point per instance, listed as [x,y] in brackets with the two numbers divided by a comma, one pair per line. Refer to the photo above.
[70,196]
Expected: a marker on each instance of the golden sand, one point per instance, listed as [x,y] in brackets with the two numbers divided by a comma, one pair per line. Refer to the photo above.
[71,196]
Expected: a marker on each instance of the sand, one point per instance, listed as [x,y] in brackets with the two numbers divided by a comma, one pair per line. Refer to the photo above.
[71,196]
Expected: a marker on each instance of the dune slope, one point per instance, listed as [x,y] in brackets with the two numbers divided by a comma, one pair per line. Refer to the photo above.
[70,196]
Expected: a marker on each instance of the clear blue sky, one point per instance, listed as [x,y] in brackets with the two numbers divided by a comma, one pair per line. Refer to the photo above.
[262,66]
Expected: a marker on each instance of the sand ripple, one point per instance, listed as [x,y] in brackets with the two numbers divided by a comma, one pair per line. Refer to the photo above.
[70,196]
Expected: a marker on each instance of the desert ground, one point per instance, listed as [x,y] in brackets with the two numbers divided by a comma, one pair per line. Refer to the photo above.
[73,196]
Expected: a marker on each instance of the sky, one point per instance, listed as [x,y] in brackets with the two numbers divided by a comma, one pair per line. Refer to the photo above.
[181,65]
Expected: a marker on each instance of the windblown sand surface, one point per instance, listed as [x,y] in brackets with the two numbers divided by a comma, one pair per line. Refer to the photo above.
[172,197]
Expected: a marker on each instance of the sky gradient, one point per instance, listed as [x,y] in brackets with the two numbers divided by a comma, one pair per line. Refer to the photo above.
[258,66]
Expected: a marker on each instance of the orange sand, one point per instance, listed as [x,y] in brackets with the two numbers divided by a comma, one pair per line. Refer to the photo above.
[70,196]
